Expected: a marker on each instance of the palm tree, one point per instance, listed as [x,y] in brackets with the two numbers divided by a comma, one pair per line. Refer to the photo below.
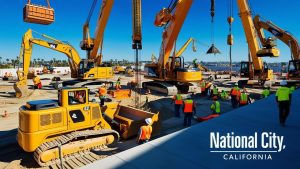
[0,59]
[7,60]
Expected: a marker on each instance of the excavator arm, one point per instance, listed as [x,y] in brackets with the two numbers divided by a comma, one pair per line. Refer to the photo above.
[26,50]
[186,44]
[92,45]
[279,33]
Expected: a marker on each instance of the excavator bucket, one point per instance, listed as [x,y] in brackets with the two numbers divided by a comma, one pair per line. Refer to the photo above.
[213,50]
[128,120]
[20,90]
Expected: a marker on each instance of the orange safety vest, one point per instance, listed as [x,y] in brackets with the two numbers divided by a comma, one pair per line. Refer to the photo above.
[235,91]
[178,99]
[146,132]
[188,106]
[102,91]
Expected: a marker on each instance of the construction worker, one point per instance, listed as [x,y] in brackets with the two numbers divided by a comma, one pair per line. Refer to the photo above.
[266,92]
[235,94]
[283,98]
[189,107]
[244,99]
[145,132]
[203,87]
[37,82]
[177,99]
[216,106]
[118,84]
[207,89]
[102,94]
[214,92]
[224,95]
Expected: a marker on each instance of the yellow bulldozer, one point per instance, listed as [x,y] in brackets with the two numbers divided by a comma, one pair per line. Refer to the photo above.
[75,124]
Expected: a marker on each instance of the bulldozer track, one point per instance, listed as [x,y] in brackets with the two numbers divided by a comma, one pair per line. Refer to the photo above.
[77,159]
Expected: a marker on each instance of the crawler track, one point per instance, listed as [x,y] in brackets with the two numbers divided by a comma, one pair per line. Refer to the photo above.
[80,158]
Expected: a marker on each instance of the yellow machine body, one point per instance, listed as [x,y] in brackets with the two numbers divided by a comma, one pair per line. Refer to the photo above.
[39,126]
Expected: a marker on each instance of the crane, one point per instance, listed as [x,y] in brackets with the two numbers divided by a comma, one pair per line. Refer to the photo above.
[92,45]
[169,75]
[80,68]
[285,37]
[186,44]
[261,71]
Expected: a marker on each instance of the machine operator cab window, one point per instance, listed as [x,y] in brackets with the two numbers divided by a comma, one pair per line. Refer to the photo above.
[76,97]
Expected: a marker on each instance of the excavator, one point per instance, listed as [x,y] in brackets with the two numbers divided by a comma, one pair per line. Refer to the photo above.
[91,68]
[285,37]
[81,69]
[253,28]
[169,75]
[255,69]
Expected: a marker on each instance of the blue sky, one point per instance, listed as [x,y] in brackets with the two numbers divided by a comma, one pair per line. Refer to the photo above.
[71,15]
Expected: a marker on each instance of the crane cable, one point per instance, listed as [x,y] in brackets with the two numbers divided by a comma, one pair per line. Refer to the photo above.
[91,12]
[212,14]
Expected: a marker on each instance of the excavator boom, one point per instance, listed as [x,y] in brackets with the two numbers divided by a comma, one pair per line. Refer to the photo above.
[26,50]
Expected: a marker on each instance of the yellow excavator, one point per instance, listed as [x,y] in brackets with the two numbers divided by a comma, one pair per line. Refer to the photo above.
[285,37]
[169,74]
[80,68]
[255,69]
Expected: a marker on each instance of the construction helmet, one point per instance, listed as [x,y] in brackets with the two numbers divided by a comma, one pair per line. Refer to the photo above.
[148,121]
[283,83]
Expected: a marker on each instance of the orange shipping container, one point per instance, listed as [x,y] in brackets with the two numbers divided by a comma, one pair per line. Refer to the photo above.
[38,14]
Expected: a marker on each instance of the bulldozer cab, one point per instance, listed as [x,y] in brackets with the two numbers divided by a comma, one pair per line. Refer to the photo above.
[72,96]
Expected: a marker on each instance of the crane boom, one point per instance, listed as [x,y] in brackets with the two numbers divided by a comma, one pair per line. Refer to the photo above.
[92,45]
[172,29]
[183,48]
[250,33]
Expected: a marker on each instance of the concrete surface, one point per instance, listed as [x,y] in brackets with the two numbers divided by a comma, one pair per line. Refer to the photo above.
[190,148]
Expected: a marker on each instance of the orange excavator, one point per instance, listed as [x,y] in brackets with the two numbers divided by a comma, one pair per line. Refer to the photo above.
[168,74]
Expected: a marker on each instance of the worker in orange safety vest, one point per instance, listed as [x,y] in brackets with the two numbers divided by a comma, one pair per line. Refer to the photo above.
[145,132]
[118,84]
[177,99]
[189,107]
[235,94]
[102,95]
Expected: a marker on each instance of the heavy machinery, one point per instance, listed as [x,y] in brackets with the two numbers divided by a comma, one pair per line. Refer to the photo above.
[82,69]
[75,125]
[285,37]
[169,74]
[47,69]
[255,68]
[92,45]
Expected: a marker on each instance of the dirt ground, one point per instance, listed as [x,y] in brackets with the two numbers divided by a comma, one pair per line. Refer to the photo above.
[11,156]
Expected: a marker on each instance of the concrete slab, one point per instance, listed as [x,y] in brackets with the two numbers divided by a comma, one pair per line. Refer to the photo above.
[190,147]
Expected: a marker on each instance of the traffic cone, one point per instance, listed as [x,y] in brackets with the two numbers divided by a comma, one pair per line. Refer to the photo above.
[5,114]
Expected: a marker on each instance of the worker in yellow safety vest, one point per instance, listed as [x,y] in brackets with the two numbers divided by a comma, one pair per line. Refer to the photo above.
[177,99]
[145,132]
[244,99]
[235,94]
[102,94]
[189,107]
[215,91]
[283,98]
[224,95]
[216,106]
[118,84]
[203,87]
[266,92]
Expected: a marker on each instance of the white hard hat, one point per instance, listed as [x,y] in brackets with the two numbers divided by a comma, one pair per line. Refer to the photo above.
[283,83]
[148,121]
